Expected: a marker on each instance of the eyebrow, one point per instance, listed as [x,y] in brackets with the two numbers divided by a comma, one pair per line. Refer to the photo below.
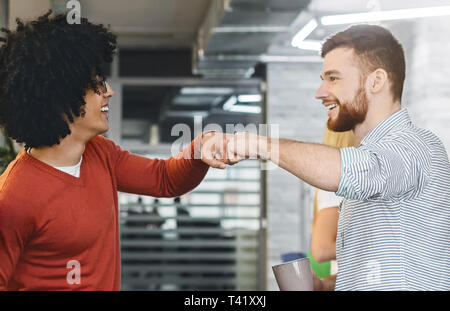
[329,73]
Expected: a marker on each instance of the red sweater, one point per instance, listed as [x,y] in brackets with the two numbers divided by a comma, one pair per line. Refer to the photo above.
[49,218]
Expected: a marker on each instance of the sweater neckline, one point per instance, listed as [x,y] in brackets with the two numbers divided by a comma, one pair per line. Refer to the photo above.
[80,181]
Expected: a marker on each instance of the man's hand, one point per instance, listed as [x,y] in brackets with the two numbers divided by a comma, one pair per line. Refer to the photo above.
[219,149]
[214,149]
[245,145]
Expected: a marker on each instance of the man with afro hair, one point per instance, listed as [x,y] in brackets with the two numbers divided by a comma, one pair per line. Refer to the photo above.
[59,227]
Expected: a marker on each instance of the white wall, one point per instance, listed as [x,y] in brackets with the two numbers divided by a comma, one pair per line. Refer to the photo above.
[428,98]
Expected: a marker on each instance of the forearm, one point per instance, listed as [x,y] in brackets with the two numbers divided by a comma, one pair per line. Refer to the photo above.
[324,253]
[186,170]
[323,250]
[160,178]
[323,244]
[318,165]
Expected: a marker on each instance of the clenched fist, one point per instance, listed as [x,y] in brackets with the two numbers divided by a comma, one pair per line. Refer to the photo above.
[246,145]
[214,149]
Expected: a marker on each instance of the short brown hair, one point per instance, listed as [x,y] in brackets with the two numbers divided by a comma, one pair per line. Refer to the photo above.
[375,47]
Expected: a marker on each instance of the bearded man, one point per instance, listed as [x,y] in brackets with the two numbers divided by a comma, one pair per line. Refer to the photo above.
[394,222]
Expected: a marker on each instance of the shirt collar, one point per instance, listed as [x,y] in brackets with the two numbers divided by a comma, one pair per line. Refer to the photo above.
[396,119]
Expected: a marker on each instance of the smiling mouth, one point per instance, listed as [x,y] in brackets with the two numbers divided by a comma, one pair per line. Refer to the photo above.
[331,107]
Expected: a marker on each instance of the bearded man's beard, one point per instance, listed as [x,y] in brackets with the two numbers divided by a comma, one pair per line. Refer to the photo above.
[351,113]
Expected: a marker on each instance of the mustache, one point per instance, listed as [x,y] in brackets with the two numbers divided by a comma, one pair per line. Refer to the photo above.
[337,101]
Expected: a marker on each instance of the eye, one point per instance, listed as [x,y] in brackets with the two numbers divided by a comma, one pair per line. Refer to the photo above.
[333,78]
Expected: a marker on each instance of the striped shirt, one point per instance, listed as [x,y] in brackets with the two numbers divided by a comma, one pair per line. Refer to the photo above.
[394,223]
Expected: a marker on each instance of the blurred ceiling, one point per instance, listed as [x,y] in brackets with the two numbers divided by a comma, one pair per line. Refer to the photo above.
[227,37]
[150,23]
[325,7]
[236,33]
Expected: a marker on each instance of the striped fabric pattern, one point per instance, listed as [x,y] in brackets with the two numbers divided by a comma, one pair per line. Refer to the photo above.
[394,222]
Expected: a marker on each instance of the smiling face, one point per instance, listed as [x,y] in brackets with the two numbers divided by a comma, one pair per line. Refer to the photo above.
[342,90]
[95,120]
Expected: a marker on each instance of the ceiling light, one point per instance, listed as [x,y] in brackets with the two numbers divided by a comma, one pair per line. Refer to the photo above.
[249,98]
[230,103]
[385,15]
[304,32]
[313,45]
[245,109]
[206,90]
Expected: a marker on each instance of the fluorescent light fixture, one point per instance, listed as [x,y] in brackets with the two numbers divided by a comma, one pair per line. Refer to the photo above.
[246,109]
[249,98]
[304,32]
[313,45]
[230,103]
[385,15]
[206,90]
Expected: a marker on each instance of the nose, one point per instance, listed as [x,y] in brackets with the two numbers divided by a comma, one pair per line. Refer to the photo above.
[109,91]
[322,92]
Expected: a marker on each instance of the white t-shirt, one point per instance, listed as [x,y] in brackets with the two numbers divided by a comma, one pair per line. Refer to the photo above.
[71,170]
[326,199]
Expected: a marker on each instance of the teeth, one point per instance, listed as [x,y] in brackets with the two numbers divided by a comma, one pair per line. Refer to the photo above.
[104,109]
[332,106]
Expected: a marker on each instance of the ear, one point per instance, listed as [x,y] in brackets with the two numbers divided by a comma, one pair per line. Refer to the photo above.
[377,80]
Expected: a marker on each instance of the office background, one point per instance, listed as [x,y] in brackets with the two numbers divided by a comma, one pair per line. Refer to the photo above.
[200,62]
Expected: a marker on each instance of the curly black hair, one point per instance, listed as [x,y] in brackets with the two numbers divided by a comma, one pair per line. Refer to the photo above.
[46,68]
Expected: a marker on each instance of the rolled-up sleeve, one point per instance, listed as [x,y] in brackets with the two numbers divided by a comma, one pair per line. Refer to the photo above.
[381,172]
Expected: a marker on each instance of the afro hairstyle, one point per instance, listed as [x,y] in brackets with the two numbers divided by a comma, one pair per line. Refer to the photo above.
[46,68]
